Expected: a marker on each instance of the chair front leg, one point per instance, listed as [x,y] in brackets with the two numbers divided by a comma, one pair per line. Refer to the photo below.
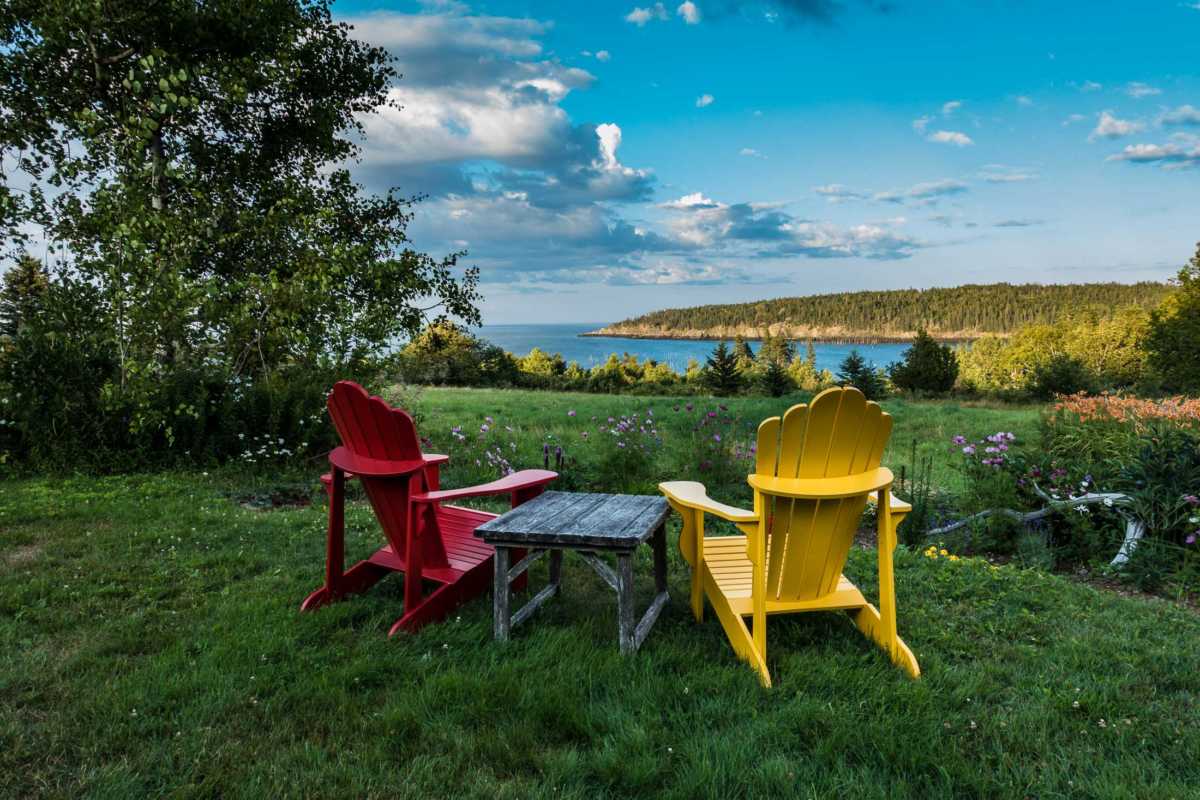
[335,543]
[886,535]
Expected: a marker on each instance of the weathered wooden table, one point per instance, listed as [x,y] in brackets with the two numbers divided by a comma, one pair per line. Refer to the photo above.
[588,524]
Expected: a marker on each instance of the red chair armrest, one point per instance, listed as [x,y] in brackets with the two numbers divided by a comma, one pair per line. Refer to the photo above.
[365,467]
[435,458]
[525,479]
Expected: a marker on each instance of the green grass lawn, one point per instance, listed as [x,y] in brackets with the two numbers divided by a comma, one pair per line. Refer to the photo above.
[152,647]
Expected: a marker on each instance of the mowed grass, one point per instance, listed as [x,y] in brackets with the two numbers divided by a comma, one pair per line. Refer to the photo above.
[152,647]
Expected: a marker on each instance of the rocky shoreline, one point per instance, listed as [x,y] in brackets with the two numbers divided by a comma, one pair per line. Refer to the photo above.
[794,334]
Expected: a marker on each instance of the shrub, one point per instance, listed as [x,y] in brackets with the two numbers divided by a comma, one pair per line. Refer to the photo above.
[926,367]
[1060,375]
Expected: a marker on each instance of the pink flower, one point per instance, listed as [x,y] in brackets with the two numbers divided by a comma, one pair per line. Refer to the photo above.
[1191,539]
[716,437]
[483,428]
[571,413]
[959,440]
[969,450]
[1191,500]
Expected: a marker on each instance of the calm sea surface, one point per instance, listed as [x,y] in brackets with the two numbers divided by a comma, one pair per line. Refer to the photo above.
[592,350]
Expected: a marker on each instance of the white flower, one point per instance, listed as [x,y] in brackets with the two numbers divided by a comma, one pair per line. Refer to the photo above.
[1108,501]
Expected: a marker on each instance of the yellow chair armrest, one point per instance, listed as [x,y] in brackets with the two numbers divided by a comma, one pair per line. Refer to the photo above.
[823,488]
[691,494]
[897,505]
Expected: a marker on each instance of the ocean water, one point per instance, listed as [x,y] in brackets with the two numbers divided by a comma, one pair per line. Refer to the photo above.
[592,350]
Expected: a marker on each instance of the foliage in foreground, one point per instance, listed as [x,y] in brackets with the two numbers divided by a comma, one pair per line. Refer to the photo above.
[166,656]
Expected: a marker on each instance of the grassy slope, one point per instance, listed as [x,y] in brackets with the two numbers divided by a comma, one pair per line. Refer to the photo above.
[153,647]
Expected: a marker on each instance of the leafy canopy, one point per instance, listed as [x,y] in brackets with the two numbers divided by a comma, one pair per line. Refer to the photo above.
[189,160]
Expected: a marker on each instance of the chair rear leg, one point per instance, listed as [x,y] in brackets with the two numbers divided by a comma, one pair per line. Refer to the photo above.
[736,631]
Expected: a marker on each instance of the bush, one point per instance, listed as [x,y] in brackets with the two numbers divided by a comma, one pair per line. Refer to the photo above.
[1061,375]
[927,366]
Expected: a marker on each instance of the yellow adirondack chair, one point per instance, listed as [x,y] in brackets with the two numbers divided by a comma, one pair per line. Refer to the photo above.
[816,470]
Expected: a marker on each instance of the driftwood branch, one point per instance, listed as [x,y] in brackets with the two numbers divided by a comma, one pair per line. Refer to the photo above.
[1135,529]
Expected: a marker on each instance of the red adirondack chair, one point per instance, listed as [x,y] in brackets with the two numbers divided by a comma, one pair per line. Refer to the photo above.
[427,540]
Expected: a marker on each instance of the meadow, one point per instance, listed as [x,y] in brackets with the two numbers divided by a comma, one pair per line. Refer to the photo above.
[153,647]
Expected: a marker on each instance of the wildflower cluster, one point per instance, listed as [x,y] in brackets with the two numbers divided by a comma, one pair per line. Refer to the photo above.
[716,439]
[1135,411]
[1193,502]
[933,552]
[991,451]
[266,448]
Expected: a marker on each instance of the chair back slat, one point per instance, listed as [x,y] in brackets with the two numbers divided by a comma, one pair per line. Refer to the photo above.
[838,434]
[370,427]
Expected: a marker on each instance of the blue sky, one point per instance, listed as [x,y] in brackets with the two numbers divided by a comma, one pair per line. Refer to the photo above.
[599,160]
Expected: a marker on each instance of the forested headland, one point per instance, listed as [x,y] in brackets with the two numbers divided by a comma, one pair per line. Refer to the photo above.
[951,314]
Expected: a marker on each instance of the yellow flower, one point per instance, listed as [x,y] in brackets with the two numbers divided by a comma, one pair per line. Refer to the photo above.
[954,558]
[945,552]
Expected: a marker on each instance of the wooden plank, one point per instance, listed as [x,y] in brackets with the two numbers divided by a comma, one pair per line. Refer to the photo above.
[602,569]
[534,604]
[649,618]
[595,521]
[524,564]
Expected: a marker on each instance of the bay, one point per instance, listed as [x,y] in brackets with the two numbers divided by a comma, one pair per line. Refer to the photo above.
[592,350]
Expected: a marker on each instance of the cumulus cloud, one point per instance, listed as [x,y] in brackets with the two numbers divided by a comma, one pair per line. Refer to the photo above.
[923,193]
[1184,115]
[1110,127]
[640,16]
[766,230]
[704,100]
[750,152]
[1138,90]
[1182,151]
[955,138]
[1090,86]
[950,107]
[603,55]
[689,12]
[921,123]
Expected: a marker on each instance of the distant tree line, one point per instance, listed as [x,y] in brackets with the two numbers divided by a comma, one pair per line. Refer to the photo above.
[1127,348]
[998,308]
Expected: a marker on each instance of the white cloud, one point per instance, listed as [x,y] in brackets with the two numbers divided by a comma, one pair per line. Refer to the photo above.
[603,55]
[920,124]
[837,193]
[1090,86]
[1110,127]
[1073,118]
[1023,100]
[923,193]
[1138,90]
[1023,222]
[999,173]
[950,107]
[691,201]
[1181,152]
[950,137]
[704,101]
[640,16]
[689,12]
[1184,115]
[750,152]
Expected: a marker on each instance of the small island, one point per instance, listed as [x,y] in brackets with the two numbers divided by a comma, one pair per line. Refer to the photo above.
[956,314]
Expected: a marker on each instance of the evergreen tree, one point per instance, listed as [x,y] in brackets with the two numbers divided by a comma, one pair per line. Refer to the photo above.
[854,371]
[774,379]
[24,287]
[1174,338]
[743,354]
[722,375]
[810,356]
[926,366]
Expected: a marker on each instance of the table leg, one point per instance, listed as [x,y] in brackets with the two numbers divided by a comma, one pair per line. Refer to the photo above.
[625,621]
[556,559]
[501,620]
[660,559]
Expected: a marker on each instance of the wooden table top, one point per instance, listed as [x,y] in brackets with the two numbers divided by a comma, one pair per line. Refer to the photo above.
[578,519]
